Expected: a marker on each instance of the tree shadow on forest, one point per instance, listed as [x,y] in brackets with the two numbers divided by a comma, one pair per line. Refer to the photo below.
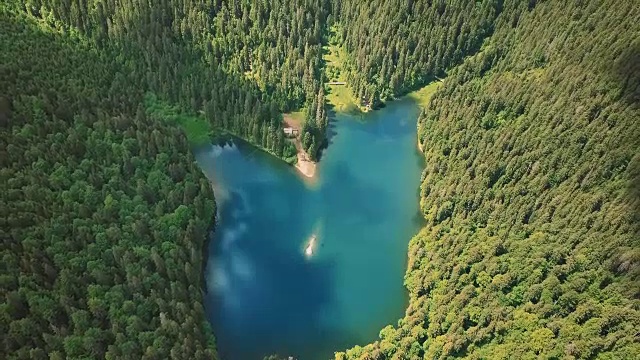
[633,190]
[626,72]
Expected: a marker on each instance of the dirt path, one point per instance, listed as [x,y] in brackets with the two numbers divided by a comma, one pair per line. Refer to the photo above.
[304,165]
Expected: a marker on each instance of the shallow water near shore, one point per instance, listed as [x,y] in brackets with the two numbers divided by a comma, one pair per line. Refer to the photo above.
[266,295]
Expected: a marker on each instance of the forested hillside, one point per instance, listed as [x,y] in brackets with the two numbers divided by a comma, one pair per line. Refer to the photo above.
[531,193]
[104,211]
[397,46]
[238,63]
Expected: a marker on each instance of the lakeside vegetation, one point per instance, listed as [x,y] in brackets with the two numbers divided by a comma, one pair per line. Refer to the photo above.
[530,190]
[423,95]
[340,97]
[199,131]
[196,128]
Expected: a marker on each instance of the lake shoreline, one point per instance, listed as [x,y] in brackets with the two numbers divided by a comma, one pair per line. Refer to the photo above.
[284,246]
[306,168]
[304,165]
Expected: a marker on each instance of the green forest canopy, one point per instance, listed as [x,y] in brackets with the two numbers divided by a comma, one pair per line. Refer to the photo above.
[530,192]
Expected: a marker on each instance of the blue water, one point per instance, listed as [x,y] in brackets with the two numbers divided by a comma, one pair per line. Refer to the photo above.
[264,295]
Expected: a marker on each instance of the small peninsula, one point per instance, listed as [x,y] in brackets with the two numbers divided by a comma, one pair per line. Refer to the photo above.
[293,130]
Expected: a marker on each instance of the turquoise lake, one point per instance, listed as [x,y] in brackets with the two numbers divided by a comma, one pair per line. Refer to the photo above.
[264,295]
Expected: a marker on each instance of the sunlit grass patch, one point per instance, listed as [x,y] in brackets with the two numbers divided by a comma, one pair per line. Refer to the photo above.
[196,127]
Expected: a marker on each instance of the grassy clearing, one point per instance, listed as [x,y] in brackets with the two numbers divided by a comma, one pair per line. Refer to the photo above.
[424,94]
[295,118]
[339,96]
[332,56]
[197,128]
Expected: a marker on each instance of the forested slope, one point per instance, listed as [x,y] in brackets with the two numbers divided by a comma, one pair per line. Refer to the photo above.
[238,63]
[531,193]
[103,211]
[395,46]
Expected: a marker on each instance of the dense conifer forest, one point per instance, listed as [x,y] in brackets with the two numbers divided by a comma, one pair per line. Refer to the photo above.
[532,195]
[104,211]
[396,46]
[531,190]
[238,63]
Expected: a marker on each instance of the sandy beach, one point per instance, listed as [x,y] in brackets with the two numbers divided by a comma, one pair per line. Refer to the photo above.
[306,167]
